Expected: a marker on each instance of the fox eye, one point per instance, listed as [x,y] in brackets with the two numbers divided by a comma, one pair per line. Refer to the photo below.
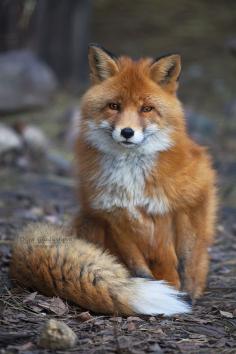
[146,109]
[114,106]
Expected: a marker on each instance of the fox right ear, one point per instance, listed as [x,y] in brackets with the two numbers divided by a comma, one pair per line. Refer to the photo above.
[165,71]
[102,63]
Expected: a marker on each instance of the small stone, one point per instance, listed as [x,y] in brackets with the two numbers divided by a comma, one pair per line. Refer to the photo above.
[155,348]
[56,335]
[152,319]
[9,140]
[131,326]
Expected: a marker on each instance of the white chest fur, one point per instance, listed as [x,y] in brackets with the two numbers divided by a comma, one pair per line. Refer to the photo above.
[121,182]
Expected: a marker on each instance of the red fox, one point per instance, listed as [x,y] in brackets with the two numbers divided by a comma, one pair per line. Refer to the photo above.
[147,199]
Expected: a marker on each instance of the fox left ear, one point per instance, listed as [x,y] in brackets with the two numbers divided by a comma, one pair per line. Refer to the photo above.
[102,63]
[165,71]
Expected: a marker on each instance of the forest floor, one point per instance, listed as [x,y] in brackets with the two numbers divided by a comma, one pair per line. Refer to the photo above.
[208,92]
[210,328]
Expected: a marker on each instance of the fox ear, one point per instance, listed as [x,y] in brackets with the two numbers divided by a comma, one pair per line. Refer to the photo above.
[102,63]
[165,71]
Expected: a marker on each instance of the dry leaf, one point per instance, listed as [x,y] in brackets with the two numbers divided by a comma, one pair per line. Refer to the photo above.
[85,316]
[55,305]
[36,309]
[30,297]
[24,347]
[131,326]
[116,319]
[58,306]
[134,319]
[226,314]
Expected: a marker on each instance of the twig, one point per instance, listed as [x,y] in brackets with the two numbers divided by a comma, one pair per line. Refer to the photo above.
[6,242]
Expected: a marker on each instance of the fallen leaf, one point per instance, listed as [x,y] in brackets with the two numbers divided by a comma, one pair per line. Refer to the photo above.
[58,306]
[158,331]
[152,319]
[85,316]
[134,319]
[36,309]
[208,331]
[30,297]
[116,319]
[55,305]
[99,322]
[226,314]
[24,347]
[131,326]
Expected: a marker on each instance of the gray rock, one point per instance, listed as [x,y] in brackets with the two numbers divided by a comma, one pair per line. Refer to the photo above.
[9,140]
[35,140]
[25,82]
[57,335]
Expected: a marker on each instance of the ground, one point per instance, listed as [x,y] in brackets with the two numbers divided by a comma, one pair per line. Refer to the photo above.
[210,328]
[201,32]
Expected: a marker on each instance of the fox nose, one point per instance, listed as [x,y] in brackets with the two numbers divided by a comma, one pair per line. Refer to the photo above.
[127,133]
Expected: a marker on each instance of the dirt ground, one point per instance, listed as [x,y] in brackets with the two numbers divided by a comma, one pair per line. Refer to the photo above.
[210,328]
[207,87]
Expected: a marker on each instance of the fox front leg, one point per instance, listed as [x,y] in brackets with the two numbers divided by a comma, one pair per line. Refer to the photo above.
[123,245]
[194,235]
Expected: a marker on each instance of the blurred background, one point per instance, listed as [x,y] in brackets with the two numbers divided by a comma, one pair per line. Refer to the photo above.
[43,72]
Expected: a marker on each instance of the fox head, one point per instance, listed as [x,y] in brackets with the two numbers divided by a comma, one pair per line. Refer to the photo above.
[132,105]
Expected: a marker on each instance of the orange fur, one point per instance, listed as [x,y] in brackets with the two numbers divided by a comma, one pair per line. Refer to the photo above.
[180,238]
[149,199]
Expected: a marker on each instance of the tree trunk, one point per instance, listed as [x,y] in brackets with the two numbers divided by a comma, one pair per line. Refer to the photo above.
[10,31]
[60,37]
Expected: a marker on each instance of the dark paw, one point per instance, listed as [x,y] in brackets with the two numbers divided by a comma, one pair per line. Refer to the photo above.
[187,298]
[140,273]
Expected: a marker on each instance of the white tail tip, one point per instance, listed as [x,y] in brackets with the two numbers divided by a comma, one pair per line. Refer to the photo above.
[156,297]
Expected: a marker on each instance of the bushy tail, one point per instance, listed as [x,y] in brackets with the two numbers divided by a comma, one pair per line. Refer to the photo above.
[49,259]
